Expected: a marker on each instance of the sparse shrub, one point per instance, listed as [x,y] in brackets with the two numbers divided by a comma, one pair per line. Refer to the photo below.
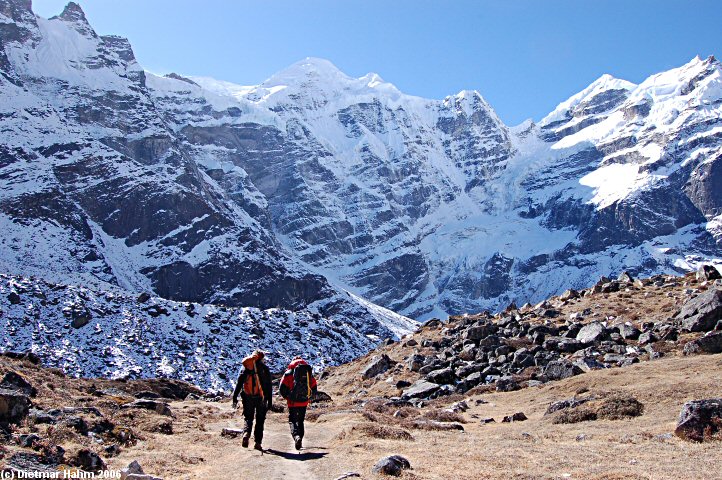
[574,415]
[381,431]
[444,416]
[616,408]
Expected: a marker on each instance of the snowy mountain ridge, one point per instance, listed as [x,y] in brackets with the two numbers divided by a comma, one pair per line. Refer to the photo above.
[313,184]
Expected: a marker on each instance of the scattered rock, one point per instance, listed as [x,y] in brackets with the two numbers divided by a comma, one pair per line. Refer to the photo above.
[135,472]
[14,298]
[701,313]
[88,461]
[143,297]
[14,406]
[441,376]
[420,389]
[710,343]
[592,332]
[13,381]
[705,273]
[232,432]
[629,331]
[560,369]
[378,365]
[158,407]
[392,465]
[507,384]
[517,417]
[488,420]
[700,420]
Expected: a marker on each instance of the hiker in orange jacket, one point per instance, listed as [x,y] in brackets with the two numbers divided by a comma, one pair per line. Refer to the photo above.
[298,387]
[254,385]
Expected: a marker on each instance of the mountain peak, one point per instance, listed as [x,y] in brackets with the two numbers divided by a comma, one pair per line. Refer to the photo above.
[74,14]
[306,69]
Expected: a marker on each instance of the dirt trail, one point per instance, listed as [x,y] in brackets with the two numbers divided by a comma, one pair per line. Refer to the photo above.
[200,452]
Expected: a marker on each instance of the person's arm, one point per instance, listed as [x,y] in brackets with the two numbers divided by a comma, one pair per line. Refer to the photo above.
[314,387]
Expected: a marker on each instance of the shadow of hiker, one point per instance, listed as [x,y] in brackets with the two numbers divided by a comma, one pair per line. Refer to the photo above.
[296,456]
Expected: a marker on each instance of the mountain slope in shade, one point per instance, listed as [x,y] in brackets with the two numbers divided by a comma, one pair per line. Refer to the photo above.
[290,192]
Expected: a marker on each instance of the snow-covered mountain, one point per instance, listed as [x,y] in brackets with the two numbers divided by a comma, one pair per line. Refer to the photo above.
[314,184]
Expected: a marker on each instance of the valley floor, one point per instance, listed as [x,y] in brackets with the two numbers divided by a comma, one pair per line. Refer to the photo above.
[638,448]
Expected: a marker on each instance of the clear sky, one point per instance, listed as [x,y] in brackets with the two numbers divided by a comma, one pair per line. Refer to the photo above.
[524,56]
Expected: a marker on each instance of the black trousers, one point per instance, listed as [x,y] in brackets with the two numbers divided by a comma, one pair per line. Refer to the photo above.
[296,416]
[253,406]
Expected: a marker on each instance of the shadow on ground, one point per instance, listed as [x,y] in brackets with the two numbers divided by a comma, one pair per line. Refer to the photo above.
[296,456]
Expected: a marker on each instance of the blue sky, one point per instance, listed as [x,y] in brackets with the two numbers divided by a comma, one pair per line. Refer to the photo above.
[523,56]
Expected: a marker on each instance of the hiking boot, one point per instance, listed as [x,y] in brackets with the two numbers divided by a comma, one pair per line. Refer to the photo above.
[244,442]
[297,442]
[258,446]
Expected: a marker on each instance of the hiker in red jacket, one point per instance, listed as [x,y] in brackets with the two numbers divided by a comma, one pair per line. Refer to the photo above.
[298,386]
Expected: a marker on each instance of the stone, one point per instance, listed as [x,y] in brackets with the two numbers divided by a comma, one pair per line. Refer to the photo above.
[564,404]
[625,277]
[88,461]
[706,273]
[700,420]
[378,365]
[701,313]
[592,332]
[517,417]
[710,343]
[161,408]
[232,432]
[629,331]
[14,406]
[135,472]
[441,376]
[468,353]
[587,364]
[416,362]
[488,420]
[14,298]
[392,465]
[507,384]
[569,294]
[647,338]
[420,389]
[143,297]
[27,440]
[560,369]
[477,332]
[13,381]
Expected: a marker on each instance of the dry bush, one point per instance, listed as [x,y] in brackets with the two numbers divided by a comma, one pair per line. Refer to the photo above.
[447,400]
[574,415]
[432,425]
[385,432]
[370,416]
[406,412]
[444,416]
[616,408]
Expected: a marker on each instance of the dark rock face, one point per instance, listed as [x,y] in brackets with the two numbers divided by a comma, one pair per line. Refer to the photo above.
[420,389]
[701,314]
[710,343]
[708,272]
[13,381]
[700,420]
[561,369]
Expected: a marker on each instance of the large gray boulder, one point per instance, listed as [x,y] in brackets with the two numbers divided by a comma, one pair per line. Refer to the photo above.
[378,365]
[710,343]
[701,313]
[420,389]
[593,332]
[700,420]
[441,376]
[560,369]
[707,272]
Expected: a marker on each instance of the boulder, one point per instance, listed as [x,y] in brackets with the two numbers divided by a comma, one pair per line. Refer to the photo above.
[507,384]
[569,294]
[88,461]
[14,406]
[13,381]
[420,389]
[700,420]
[161,408]
[232,432]
[378,365]
[706,273]
[477,332]
[517,417]
[416,362]
[710,343]
[441,376]
[562,344]
[143,297]
[392,465]
[629,331]
[701,313]
[560,369]
[14,298]
[592,332]
[135,472]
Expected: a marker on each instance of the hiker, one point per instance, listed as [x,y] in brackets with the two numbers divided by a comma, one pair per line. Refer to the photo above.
[254,385]
[298,386]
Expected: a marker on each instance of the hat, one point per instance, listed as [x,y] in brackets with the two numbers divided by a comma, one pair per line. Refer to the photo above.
[259,353]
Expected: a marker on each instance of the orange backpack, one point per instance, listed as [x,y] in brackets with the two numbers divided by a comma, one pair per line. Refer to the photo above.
[252,385]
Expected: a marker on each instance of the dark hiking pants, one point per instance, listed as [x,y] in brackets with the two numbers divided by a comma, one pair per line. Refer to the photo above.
[296,416]
[253,406]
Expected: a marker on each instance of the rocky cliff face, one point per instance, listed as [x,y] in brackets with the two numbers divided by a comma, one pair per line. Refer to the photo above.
[289,192]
